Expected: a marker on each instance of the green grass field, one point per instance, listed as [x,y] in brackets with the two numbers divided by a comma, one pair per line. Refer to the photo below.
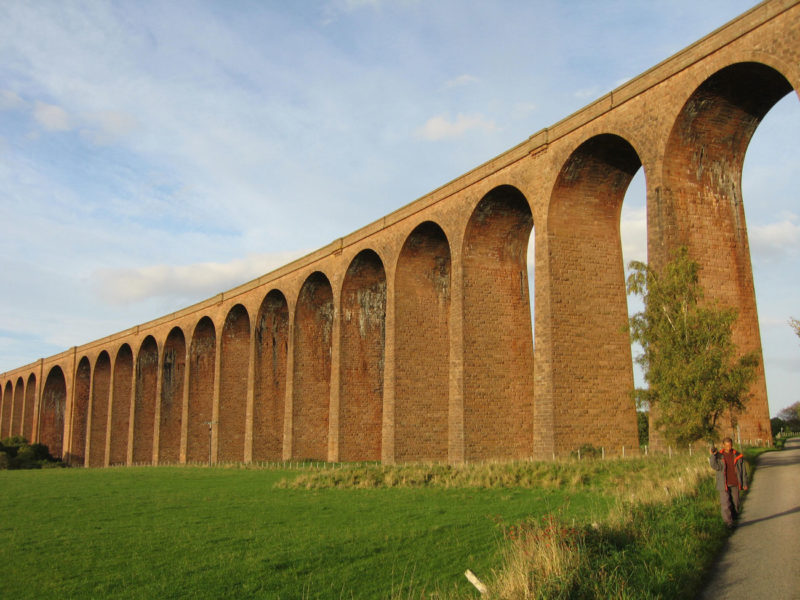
[633,528]
[188,532]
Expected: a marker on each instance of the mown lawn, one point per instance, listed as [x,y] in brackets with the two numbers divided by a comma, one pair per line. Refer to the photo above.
[189,532]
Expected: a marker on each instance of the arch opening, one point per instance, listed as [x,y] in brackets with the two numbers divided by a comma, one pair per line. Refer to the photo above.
[313,329]
[19,400]
[589,306]
[51,416]
[633,235]
[144,404]
[772,213]
[202,359]
[362,351]
[172,381]
[272,343]
[498,341]
[30,401]
[121,406]
[422,345]
[101,389]
[80,413]
[234,365]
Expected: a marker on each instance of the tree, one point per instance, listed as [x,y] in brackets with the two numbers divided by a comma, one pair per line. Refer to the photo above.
[795,324]
[689,359]
[643,423]
[791,417]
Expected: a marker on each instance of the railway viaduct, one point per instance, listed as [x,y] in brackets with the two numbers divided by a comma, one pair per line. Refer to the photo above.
[411,338]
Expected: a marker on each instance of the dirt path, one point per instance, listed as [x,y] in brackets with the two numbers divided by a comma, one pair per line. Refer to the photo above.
[762,557]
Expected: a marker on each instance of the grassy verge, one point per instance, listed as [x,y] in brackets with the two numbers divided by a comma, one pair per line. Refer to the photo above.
[660,535]
[634,528]
[658,549]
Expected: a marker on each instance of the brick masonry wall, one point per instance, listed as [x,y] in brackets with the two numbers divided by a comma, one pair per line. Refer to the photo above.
[80,412]
[201,390]
[447,374]
[144,404]
[30,401]
[498,345]
[312,369]
[272,345]
[172,381]
[19,399]
[362,354]
[422,303]
[54,400]
[235,354]
[588,289]
[101,389]
[121,406]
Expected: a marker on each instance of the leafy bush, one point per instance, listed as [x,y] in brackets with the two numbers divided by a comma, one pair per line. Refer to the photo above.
[643,423]
[17,453]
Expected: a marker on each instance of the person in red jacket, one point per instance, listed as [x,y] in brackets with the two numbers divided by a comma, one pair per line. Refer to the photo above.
[731,478]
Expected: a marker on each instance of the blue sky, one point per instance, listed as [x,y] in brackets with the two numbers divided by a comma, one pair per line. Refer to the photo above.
[153,154]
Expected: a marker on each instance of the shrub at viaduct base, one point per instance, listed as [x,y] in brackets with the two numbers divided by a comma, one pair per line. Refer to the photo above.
[411,339]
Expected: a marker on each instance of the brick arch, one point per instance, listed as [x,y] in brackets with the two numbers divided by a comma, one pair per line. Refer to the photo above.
[202,359]
[498,338]
[101,390]
[144,401]
[701,203]
[422,345]
[704,154]
[588,301]
[121,406]
[80,412]
[171,408]
[30,402]
[51,414]
[19,400]
[234,365]
[271,351]
[363,355]
[313,329]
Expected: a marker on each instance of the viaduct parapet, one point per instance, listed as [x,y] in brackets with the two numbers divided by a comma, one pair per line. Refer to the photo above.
[411,338]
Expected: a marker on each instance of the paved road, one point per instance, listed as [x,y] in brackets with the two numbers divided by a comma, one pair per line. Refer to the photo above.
[762,557]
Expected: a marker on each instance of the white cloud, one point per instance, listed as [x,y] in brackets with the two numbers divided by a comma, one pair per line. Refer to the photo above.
[196,281]
[10,101]
[460,81]
[633,233]
[440,127]
[51,117]
[106,126]
[776,239]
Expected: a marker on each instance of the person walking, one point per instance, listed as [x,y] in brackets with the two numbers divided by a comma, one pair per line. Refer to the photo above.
[731,479]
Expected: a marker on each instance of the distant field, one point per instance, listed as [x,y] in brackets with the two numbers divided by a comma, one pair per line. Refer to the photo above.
[189,532]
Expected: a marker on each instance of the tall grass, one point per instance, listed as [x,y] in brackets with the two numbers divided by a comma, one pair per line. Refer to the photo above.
[659,536]
[654,543]
[630,477]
